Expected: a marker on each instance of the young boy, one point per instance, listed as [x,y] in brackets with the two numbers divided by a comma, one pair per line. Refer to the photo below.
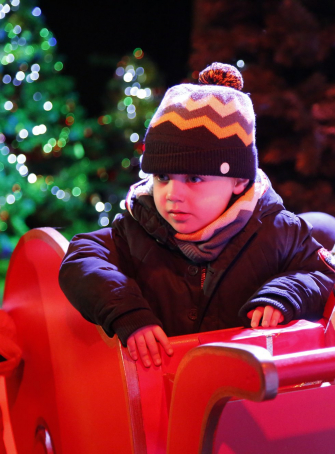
[205,243]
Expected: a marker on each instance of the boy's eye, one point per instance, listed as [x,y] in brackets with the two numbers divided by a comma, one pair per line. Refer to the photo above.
[195,179]
[162,177]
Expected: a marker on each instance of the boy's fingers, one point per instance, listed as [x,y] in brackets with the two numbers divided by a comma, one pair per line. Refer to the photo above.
[153,348]
[267,316]
[256,317]
[277,317]
[131,345]
[143,350]
[250,313]
[143,343]
[163,340]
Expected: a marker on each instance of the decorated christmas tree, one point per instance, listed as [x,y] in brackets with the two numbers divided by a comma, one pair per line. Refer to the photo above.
[58,167]
[43,131]
[285,50]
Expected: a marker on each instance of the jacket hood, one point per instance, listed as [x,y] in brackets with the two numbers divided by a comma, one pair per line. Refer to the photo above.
[140,204]
[269,203]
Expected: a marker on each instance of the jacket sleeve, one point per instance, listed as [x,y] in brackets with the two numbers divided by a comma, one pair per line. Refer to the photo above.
[96,277]
[302,289]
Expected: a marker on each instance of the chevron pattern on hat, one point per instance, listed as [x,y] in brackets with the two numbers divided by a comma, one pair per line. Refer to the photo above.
[219,132]
[210,100]
[224,116]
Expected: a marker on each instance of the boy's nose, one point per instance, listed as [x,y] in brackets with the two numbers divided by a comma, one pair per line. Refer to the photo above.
[175,191]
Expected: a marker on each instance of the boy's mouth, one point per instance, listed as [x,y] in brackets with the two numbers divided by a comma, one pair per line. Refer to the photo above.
[178,215]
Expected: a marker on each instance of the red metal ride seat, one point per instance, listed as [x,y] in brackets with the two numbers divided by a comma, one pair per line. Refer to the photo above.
[232,391]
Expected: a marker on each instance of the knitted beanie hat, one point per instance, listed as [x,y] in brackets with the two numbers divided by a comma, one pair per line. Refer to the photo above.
[206,129]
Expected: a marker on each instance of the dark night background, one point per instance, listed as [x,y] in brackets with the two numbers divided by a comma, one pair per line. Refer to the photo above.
[90,34]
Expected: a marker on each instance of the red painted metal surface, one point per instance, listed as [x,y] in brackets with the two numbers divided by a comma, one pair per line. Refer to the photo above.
[83,390]
[300,422]
[207,378]
[69,377]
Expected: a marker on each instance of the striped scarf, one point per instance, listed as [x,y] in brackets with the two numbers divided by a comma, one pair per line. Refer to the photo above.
[207,243]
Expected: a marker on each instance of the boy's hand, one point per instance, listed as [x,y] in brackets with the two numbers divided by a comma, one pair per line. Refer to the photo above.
[269,315]
[143,343]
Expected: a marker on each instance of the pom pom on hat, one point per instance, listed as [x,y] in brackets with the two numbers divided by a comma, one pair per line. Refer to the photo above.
[204,129]
[221,74]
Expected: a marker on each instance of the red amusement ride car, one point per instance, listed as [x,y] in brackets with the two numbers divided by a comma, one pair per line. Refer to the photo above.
[232,391]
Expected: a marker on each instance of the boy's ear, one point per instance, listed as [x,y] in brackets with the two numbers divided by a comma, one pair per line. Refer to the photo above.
[240,185]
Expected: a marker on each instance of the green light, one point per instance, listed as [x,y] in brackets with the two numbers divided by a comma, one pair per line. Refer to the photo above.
[146,123]
[47,148]
[11,34]
[76,191]
[4,61]
[52,142]
[8,48]
[8,27]
[3,226]
[44,32]
[138,52]
[64,134]
[58,66]
[127,101]
[29,50]
[45,45]
[78,150]
[1,166]
[61,143]
[125,163]
[107,119]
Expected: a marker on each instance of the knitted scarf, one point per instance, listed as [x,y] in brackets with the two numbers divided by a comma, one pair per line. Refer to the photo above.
[207,243]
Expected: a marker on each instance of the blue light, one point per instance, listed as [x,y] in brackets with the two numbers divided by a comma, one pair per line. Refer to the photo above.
[36,12]
[17,29]
[37,96]
[52,41]
[6,79]
[119,71]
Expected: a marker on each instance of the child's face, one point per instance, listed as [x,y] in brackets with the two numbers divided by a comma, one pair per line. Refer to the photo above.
[190,202]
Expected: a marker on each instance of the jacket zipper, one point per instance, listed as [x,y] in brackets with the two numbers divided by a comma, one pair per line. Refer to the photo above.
[203,275]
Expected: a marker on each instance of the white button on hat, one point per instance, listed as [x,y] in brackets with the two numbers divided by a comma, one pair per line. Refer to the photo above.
[224,168]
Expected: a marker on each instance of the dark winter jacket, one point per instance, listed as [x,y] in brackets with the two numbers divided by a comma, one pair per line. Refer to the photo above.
[132,274]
